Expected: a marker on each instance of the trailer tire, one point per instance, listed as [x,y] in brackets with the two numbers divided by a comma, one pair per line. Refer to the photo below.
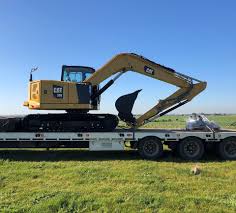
[227,148]
[191,148]
[150,148]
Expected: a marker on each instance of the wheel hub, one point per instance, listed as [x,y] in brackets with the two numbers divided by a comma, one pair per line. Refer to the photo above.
[150,147]
[191,148]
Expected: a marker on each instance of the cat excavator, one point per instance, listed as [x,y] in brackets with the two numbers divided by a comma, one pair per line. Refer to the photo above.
[78,92]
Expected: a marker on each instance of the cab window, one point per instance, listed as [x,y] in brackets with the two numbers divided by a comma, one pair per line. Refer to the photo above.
[76,73]
[73,76]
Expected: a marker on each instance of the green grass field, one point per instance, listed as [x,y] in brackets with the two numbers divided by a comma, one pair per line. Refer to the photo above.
[82,181]
[177,121]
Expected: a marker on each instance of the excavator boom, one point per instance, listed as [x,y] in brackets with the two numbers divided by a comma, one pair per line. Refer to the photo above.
[188,87]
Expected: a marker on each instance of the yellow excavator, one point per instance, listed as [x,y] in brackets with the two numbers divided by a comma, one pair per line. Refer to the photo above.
[78,92]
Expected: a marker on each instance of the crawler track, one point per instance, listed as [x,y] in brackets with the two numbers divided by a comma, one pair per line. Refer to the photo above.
[67,122]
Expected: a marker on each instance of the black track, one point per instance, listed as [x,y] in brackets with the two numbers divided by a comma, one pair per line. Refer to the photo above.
[67,122]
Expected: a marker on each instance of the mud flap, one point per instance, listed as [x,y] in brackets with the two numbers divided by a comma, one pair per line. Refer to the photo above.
[124,106]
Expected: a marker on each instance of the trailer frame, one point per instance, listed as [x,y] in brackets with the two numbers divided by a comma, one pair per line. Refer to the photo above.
[117,140]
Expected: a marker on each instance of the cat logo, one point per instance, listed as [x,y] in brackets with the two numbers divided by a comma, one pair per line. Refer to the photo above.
[149,70]
[58,92]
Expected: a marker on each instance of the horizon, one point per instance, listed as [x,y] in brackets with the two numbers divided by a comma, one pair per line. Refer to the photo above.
[168,114]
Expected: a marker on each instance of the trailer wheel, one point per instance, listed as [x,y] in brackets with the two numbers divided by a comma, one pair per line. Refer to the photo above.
[150,148]
[191,148]
[227,148]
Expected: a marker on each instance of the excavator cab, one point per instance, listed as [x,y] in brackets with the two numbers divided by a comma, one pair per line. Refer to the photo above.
[76,74]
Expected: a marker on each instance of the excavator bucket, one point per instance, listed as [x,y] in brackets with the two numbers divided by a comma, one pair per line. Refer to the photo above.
[124,106]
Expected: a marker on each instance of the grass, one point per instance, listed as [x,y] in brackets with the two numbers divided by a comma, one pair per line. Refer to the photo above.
[82,181]
[177,121]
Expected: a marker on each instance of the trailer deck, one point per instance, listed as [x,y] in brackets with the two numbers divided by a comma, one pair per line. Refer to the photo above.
[149,142]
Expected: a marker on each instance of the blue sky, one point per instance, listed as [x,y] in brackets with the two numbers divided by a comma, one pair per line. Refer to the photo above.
[197,38]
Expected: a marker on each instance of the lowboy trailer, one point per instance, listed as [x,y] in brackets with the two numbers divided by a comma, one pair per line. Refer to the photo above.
[190,145]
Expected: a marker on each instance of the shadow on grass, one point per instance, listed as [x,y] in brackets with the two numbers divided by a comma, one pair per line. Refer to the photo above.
[85,155]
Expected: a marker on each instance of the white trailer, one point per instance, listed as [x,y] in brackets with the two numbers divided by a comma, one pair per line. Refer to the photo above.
[190,145]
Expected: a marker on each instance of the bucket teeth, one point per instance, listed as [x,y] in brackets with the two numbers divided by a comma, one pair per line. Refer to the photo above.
[124,106]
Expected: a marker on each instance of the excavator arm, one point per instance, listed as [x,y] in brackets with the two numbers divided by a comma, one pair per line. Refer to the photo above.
[188,86]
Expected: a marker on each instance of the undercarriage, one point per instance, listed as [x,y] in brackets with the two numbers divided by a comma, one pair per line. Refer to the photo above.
[66,122]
